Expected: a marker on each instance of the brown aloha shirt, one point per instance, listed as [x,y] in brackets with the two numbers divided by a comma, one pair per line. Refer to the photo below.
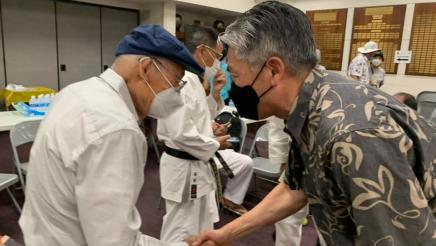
[368,164]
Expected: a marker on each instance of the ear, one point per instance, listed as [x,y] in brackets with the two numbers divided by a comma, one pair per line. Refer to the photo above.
[143,64]
[277,68]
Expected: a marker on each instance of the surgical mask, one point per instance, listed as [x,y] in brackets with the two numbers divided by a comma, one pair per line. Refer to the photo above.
[210,72]
[376,62]
[165,102]
[246,99]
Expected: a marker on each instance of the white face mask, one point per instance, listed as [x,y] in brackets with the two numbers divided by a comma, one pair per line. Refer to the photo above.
[165,103]
[210,72]
[376,62]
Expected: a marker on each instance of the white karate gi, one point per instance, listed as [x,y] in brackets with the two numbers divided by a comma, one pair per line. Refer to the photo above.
[190,130]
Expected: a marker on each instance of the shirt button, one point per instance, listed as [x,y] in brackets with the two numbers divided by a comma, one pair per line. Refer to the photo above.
[195,174]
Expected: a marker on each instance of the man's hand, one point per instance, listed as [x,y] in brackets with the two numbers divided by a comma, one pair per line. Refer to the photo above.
[211,237]
[224,144]
[219,81]
[220,129]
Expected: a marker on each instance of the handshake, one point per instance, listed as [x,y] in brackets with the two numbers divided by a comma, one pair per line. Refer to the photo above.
[217,237]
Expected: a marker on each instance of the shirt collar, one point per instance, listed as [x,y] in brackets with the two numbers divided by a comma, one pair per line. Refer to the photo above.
[298,116]
[117,83]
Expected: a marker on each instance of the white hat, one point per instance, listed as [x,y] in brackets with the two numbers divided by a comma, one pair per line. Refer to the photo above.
[369,47]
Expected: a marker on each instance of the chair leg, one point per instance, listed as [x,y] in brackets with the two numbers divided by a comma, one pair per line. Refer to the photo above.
[20,175]
[17,206]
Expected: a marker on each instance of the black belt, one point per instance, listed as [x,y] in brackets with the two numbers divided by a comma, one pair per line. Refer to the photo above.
[180,154]
[186,156]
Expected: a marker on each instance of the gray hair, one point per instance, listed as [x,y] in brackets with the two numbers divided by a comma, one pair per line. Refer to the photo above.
[202,35]
[270,29]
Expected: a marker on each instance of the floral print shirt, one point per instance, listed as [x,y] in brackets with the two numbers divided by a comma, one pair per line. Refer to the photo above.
[368,164]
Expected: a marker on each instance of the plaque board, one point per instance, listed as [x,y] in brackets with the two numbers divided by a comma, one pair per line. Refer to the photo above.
[423,41]
[383,25]
[329,30]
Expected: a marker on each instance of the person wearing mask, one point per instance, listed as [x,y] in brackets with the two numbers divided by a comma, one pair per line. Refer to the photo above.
[223,67]
[407,99]
[86,165]
[187,177]
[359,66]
[364,162]
[376,72]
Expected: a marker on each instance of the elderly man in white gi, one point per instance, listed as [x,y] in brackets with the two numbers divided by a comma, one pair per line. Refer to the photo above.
[87,163]
[187,181]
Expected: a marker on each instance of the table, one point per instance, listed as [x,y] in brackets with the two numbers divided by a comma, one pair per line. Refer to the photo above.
[8,119]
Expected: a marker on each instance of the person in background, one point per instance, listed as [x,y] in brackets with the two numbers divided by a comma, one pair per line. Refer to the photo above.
[187,181]
[359,66]
[289,230]
[86,165]
[376,72]
[207,83]
[363,161]
[407,99]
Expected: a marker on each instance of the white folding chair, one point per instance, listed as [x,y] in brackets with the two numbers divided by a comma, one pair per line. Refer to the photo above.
[243,135]
[6,181]
[263,168]
[22,133]
[433,118]
[426,101]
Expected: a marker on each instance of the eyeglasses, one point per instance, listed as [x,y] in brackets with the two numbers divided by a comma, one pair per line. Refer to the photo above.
[217,54]
[179,85]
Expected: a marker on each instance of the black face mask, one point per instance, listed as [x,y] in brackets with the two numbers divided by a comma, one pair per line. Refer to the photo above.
[246,99]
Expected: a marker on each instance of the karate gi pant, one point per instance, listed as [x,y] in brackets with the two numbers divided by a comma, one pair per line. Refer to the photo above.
[242,167]
[189,218]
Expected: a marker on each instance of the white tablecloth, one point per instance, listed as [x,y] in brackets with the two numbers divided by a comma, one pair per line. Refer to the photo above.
[8,119]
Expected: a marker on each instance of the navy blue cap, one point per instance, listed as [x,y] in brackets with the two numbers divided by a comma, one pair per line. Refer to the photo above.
[154,40]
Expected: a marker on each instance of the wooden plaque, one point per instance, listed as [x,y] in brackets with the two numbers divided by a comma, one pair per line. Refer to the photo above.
[383,25]
[329,30]
[423,41]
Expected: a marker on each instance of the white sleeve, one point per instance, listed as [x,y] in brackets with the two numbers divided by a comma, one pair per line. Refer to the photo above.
[109,179]
[278,142]
[356,68]
[214,107]
[181,130]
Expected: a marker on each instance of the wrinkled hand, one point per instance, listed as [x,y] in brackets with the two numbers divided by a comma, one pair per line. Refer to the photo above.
[224,144]
[219,81]
[191,240]
[211,237]
[220,129]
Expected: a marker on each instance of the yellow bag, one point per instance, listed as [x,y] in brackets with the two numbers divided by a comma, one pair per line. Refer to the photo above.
[24,96]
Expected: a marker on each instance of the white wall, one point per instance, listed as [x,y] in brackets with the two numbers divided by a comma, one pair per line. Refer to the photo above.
[393,83]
